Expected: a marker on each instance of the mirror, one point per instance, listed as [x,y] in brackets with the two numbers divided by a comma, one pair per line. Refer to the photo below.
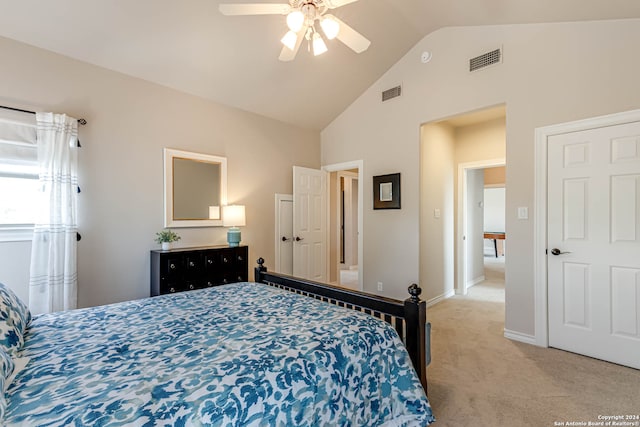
[195,189]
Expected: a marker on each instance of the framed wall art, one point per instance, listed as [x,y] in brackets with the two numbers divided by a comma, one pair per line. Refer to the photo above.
[386,191]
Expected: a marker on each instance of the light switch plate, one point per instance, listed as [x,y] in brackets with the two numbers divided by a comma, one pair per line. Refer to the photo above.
[523,212]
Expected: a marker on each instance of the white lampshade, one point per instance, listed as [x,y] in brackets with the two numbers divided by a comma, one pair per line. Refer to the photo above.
[295,20]
[318,45]
[289,40]
[330,27]
[233,216]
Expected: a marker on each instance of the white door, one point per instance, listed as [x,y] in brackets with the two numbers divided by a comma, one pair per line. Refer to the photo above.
[593,242]
[284,233]
[309,223]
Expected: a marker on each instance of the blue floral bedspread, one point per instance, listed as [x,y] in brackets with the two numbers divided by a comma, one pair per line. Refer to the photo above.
[240,354]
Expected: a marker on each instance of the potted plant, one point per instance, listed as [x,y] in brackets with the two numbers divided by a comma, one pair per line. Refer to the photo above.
[165,238]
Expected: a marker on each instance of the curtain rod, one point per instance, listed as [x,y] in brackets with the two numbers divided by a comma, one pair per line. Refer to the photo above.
[80,121]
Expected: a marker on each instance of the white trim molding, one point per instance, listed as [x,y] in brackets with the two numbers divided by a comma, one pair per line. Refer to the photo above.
[520,337]
[475,281]
[542,134]
[436,300]
[16,234]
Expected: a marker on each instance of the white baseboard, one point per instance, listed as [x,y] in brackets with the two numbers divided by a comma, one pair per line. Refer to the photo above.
[519,336]
[434,301]
[475,281]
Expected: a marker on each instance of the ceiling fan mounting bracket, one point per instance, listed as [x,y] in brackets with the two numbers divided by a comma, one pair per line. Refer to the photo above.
[311,9]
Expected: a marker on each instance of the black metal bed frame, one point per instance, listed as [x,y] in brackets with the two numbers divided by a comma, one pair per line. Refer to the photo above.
[408,317]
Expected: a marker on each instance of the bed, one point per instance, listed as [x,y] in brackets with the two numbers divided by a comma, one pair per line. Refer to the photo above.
[238,354]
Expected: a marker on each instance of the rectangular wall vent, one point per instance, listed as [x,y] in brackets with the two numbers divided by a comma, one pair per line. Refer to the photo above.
[394,92]
[486,59]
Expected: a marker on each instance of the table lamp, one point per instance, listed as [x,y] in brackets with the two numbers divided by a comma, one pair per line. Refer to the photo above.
[233,217]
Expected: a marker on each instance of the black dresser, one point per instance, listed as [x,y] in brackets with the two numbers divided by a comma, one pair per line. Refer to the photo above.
[187,269]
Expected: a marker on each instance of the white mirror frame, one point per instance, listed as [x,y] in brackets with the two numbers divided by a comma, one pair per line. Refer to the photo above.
[169,155]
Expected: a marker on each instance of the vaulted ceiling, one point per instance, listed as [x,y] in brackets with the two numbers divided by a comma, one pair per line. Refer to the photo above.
[190,46]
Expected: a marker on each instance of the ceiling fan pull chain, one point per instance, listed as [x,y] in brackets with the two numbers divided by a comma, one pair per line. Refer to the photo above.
[307,36]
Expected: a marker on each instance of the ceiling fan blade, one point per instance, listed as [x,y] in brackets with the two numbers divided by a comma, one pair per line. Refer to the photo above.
[353,39]
[255,9]
[332,4]
[287,54]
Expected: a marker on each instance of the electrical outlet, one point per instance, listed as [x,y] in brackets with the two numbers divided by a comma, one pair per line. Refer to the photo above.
[380,287]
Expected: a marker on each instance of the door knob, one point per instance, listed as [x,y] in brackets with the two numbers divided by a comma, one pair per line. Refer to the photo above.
[299,238]
[284,239]
[556,251]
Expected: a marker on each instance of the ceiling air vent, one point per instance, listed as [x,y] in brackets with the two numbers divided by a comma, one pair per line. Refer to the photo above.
[394,92]
[486,59]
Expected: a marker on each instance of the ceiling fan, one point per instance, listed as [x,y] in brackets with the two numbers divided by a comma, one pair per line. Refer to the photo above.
[301,20]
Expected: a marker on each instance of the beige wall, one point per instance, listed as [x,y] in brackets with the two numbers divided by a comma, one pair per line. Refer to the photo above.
[121,204]
[551,73]
[481,141]
[15,258]
[495,177]
[475,227]
[436,230]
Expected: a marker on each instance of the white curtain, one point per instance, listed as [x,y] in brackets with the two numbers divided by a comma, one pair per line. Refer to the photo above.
[53,281]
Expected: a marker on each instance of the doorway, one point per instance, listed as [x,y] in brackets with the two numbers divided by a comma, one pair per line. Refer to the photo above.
[345,224]
[481,222]
[347,227]
[450,148]
[343,215]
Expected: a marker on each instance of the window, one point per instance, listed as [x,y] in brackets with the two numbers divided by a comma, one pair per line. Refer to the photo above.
[18,203]
[20,192]
[19,186]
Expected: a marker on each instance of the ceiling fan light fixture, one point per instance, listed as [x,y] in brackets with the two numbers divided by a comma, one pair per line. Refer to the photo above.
[301,17]
[319,47]
[295,20]
[289,40]
[330,27]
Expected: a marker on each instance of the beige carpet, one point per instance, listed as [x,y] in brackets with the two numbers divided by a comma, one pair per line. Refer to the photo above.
[479,378]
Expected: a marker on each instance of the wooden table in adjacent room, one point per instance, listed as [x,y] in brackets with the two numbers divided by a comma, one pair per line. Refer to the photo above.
[495,236]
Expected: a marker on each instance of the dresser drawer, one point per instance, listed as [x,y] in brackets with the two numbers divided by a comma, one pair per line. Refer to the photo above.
[188,269]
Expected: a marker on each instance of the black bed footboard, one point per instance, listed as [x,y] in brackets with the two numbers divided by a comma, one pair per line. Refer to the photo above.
[408,317]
